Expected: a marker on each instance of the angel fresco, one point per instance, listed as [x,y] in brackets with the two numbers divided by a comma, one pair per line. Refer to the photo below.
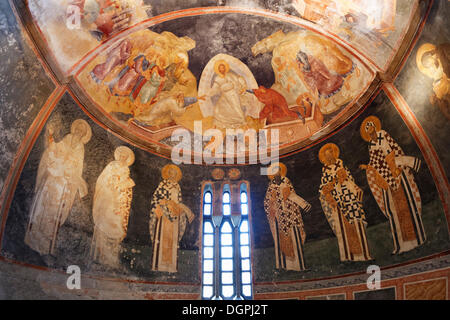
[168,220]
[111,209]
[341,201]
[59,181]
[434,62]
[390,177]
[284,209]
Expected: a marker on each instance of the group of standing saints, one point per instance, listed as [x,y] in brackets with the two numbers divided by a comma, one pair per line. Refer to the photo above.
[390,178]
[389,175]
[59,180]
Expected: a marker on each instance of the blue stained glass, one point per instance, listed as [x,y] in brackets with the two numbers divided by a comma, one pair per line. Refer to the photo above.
[244,197]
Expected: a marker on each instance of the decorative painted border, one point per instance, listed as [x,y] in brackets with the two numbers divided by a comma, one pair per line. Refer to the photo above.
[350,290]
[428,280]
[366,290]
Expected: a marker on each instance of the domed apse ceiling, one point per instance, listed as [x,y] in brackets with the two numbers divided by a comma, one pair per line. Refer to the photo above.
[145,70]
[320,73]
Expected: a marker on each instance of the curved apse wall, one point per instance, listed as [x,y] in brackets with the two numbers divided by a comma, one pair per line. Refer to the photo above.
[42,97]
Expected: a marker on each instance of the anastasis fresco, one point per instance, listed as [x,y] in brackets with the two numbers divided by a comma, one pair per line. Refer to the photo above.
[354,96]
[140,78]
[145,83]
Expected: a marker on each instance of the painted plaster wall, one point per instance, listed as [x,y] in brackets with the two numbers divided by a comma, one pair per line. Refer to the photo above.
[417,88]
[25,88]
[304,170]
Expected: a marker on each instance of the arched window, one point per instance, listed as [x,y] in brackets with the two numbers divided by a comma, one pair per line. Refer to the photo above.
[208,244]
[226,264]
[244,243]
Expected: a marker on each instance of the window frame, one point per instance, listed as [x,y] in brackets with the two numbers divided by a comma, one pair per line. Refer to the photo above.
[218,189]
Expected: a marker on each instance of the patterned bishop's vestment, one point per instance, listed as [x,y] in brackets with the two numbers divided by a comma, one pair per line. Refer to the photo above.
[390,177]
[341,201]
[286,224]
[167,231]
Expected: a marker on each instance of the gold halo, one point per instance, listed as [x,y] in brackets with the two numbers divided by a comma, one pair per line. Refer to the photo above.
[332,146]
[87,129]
[362,129]
[165,172]
[271,170]
[129,153]
[425,48]
[220,62]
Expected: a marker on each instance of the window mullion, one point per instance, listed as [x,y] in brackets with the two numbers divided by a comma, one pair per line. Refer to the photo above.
[237,263]
[217,260]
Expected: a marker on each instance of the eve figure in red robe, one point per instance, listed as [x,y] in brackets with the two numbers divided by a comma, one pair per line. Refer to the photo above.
[276,109]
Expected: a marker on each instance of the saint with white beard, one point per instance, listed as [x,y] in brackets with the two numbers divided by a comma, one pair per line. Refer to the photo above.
[112,202]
